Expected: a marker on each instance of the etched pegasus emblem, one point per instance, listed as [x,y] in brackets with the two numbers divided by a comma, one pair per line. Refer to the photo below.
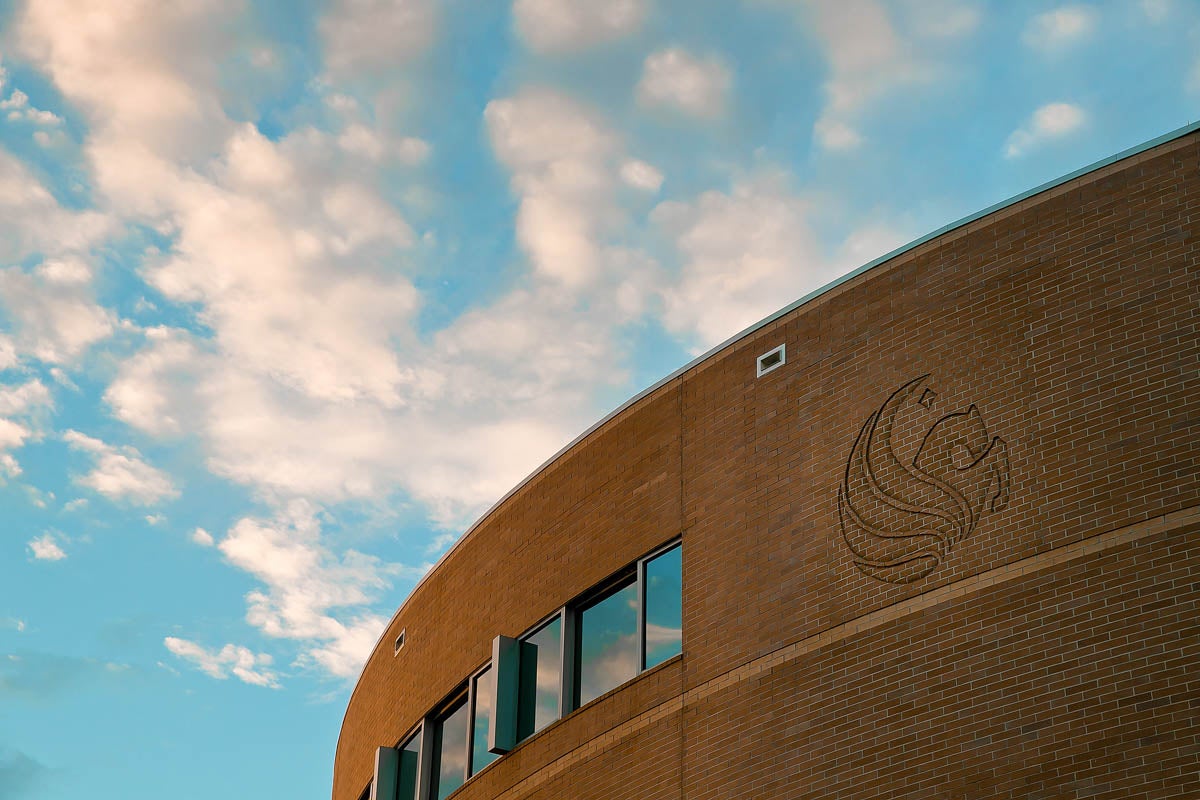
[900,516]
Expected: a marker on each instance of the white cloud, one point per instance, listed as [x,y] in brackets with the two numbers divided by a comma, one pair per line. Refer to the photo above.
[373,36]
[56,320]
[76,504]
[747,254]
[374,146]
[24,410]
[202,537]
[32,221]
[561,158]
[245,665]
[565,26]
[1062,27]
[1051,121]
[155,519]
[641,175]
[872,53]
[674,78]
[120,473]
[18,108]
[305,584]
[8,353]
[44,548]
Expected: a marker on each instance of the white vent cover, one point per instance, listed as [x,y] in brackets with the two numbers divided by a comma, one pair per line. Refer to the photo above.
[772,359]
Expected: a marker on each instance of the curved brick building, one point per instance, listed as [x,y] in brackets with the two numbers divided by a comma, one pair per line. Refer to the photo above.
[933,532]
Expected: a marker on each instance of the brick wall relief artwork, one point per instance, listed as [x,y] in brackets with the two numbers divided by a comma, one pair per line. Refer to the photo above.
[917,481]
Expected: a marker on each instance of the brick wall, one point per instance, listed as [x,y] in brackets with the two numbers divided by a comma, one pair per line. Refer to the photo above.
[1050,651]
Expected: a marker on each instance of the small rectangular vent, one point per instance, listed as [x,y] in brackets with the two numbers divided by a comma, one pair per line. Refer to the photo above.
[772,359]
[399,644]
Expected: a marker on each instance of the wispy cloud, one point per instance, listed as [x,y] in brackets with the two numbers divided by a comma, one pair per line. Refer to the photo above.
[744,252]
[310,594]
[120,473]
[675,79]
[1051,121]
[242,662]
[202,537]
[369,37]
[563,26]
[1060,28]
[873,52]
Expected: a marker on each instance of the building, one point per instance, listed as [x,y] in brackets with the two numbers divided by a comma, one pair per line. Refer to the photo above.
[933,532]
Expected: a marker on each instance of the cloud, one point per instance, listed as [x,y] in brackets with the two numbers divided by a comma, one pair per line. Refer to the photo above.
[1051,121]
[872,52]
[41,677]
[33,223]
[245,665]
[202,537]
[8,353]
[561,159]
[746,254]
[55,316]
[155,519]
[566,26]
[18,108]
[641,175]
[24,409]
[305,583]
[369,37]
[1062,27]
[44,548]
[1156,10]
[120,473]
[677,80]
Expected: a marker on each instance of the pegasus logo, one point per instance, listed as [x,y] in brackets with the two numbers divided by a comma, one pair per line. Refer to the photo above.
[904,504]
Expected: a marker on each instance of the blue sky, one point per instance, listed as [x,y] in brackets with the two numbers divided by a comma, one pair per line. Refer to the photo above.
[291,292]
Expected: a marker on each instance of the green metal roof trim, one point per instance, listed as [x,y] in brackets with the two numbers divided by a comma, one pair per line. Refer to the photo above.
[1121,156]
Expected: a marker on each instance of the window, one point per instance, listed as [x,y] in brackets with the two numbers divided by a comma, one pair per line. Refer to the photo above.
[632,624]
[483,698]
[662,599]
[450,752]
[541,678]
[406,780]
[607,643]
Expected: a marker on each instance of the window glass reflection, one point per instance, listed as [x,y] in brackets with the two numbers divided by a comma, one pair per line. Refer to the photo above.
[484,704]
[406,783]
[541,677]
[451,765]
[664,607]
[608,643]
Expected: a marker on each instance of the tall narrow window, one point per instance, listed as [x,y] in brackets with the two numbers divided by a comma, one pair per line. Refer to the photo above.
[484,700]
[541,677]
[450,755]
[406,782]
[663,627]
[608,643]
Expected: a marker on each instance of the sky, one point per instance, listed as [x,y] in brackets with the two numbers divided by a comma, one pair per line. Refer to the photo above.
[291,292]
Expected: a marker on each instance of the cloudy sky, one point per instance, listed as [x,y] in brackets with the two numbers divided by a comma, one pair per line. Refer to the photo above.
[291,292]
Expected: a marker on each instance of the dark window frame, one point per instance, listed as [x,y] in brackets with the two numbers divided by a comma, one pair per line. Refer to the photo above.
[429,752]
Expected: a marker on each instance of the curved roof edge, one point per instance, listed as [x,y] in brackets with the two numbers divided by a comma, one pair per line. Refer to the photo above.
[1170,136]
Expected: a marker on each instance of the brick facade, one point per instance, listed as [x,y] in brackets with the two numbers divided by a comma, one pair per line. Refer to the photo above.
[1042,645]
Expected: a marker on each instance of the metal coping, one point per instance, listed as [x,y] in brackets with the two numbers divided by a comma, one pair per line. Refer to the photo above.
[1170,136]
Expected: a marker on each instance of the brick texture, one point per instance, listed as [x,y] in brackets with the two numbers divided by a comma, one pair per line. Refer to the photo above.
[1052,652]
